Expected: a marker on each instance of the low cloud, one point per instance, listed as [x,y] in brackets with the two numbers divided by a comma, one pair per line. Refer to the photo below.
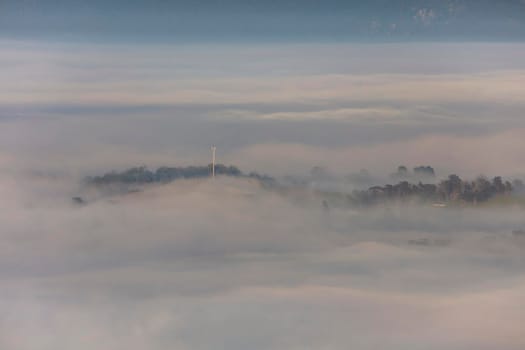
[200,264]
[225,263]
[159,75]
[497,153]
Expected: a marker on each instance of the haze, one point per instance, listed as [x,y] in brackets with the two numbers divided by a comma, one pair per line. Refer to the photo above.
[226,263]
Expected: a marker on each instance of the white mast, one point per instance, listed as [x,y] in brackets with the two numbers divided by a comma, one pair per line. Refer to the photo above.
[213,148]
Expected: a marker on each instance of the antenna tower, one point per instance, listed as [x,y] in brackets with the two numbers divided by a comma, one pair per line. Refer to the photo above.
[213,148]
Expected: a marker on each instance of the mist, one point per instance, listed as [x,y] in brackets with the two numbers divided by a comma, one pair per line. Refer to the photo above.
[273,108]
[225,263]
[230,262]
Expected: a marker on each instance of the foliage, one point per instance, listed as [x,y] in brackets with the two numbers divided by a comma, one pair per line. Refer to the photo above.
[142,175]
[452,189]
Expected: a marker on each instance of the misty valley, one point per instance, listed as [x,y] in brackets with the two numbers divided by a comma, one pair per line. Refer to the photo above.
[150,257]
[262,175]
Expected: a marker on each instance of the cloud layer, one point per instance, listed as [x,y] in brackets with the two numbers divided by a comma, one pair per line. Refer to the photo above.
[96,107]
[224,264]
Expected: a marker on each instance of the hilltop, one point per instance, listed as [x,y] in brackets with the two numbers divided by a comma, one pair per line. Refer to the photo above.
[417,187]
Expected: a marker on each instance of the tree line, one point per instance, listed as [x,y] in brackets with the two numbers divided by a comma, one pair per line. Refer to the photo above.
[452,189]
[143,175]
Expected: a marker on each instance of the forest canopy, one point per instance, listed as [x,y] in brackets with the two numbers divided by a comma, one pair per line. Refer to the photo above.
[409,186]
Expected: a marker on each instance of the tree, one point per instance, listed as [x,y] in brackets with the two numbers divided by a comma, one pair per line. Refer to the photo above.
[499,186]
[518,185]
[424,171]
[402,170]
[482,189]
[451,188]
[401,174]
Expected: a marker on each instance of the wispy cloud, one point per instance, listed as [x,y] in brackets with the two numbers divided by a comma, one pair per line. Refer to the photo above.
[469,156]
[199,75]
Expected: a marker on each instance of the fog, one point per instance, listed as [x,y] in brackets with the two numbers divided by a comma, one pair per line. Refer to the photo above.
[281,109]
[226,264]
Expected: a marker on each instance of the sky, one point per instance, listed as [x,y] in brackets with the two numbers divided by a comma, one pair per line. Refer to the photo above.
[245,21]
[87,87]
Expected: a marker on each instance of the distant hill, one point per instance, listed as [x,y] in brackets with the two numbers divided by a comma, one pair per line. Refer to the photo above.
[142,175]
[450,190]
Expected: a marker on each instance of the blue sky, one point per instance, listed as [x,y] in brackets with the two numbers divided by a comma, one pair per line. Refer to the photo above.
[248,21]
